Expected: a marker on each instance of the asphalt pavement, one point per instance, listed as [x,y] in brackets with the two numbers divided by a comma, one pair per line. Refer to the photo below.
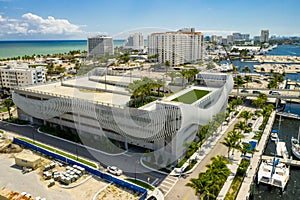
[128,162]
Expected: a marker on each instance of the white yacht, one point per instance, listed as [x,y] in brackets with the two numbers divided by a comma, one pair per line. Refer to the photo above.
[273,173]
[296,145]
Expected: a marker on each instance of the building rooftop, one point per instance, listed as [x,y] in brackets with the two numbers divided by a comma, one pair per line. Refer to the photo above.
[27,156]
[83,88]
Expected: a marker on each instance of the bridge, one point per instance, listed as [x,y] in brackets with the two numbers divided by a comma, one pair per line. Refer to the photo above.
[284,94]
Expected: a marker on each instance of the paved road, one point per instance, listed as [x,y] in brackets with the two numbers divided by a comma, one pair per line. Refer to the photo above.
[127,162]
[182,192]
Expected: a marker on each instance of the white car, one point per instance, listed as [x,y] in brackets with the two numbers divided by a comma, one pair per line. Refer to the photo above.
[114,170]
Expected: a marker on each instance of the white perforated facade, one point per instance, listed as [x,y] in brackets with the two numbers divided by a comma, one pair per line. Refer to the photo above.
[163,124]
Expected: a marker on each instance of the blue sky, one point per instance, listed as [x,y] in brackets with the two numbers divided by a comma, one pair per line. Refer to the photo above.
[74,19]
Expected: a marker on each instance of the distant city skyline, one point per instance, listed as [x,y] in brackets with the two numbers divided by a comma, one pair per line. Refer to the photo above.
[53,19]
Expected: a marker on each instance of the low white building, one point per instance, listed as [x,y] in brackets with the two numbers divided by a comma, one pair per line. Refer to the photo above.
[19,76]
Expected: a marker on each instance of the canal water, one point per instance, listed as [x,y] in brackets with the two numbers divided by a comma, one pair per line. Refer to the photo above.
[288,129]
[281,50]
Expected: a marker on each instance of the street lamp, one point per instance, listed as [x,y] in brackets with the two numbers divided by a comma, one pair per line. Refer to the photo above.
[136,163]
[76,152]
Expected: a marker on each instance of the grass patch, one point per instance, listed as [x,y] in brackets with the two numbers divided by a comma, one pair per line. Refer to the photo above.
[3,109]
[16,120]
[191,165]
[180,164]
[59,152]
[140,183]
[237,181]
[191,96]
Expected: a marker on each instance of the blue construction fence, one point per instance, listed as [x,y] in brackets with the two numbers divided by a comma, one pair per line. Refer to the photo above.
[91,170]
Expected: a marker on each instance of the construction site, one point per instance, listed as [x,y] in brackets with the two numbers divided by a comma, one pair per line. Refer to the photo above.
[38,177]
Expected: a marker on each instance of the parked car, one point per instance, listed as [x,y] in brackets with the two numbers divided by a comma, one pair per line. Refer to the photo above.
[254,117]
[114,170]
[250,124]
[244,91]
[256,92]
[274,93]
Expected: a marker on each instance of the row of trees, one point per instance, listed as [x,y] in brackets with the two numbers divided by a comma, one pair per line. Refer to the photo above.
[275,80]
[143,87]
[209,183]
[184,74]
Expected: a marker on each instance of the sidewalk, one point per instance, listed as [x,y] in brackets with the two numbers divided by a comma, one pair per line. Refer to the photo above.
[236,159]
[206,147]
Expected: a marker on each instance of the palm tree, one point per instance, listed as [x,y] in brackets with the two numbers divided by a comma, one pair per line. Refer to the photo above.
[159,83]
[172,75]
[133,89]
[167,66]
[241,126]
[246,69]
[199,184]
[248,79]
[239,82]
[244,148]
[230,143]
[246,115]
[8,103]
[261,100]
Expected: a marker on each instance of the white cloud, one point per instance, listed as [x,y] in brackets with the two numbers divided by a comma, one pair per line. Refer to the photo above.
[34,25]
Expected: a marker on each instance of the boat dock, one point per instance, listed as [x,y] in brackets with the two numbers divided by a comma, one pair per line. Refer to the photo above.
[295,163]
[288,115]
[245,189]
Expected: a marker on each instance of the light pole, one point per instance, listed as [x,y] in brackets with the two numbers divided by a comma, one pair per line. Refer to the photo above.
[76,152]
[136,163]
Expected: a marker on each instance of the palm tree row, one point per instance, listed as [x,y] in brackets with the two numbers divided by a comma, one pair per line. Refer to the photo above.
[232,141]
[261,100]
[144,87]
[209,183]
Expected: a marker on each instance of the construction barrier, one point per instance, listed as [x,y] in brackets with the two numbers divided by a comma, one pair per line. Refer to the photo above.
[91,170]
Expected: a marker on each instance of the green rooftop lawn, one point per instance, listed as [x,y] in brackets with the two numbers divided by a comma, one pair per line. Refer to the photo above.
[191,96]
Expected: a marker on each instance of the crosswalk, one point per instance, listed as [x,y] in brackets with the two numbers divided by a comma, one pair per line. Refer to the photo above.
[168,184]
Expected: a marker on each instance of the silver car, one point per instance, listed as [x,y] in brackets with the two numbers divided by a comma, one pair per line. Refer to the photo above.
[114,170]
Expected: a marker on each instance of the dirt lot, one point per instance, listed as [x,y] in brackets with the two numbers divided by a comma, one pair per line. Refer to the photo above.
[11,177]
[113,192]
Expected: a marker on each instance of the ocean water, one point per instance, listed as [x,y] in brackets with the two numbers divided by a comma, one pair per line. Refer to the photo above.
[21,48]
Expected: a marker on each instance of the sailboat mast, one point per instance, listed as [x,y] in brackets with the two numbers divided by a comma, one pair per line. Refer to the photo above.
[299,134]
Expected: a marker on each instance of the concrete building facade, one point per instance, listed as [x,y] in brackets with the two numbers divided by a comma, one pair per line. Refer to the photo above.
[135,42]
[19,76]
[100,45]
[178,47]
[164,125]
[264,36]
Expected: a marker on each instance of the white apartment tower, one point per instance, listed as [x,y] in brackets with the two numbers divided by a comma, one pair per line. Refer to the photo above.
[100,45]
[19,76]
[179,47]
[135,42]
[264,36]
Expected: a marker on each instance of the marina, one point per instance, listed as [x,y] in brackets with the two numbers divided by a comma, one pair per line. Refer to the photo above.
[263,191]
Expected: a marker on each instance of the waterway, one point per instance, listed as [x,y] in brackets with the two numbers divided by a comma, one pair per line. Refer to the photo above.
[288,129]
[281,50]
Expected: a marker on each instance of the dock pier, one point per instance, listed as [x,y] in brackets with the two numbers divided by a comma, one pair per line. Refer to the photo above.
[295,163]
[245,189]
